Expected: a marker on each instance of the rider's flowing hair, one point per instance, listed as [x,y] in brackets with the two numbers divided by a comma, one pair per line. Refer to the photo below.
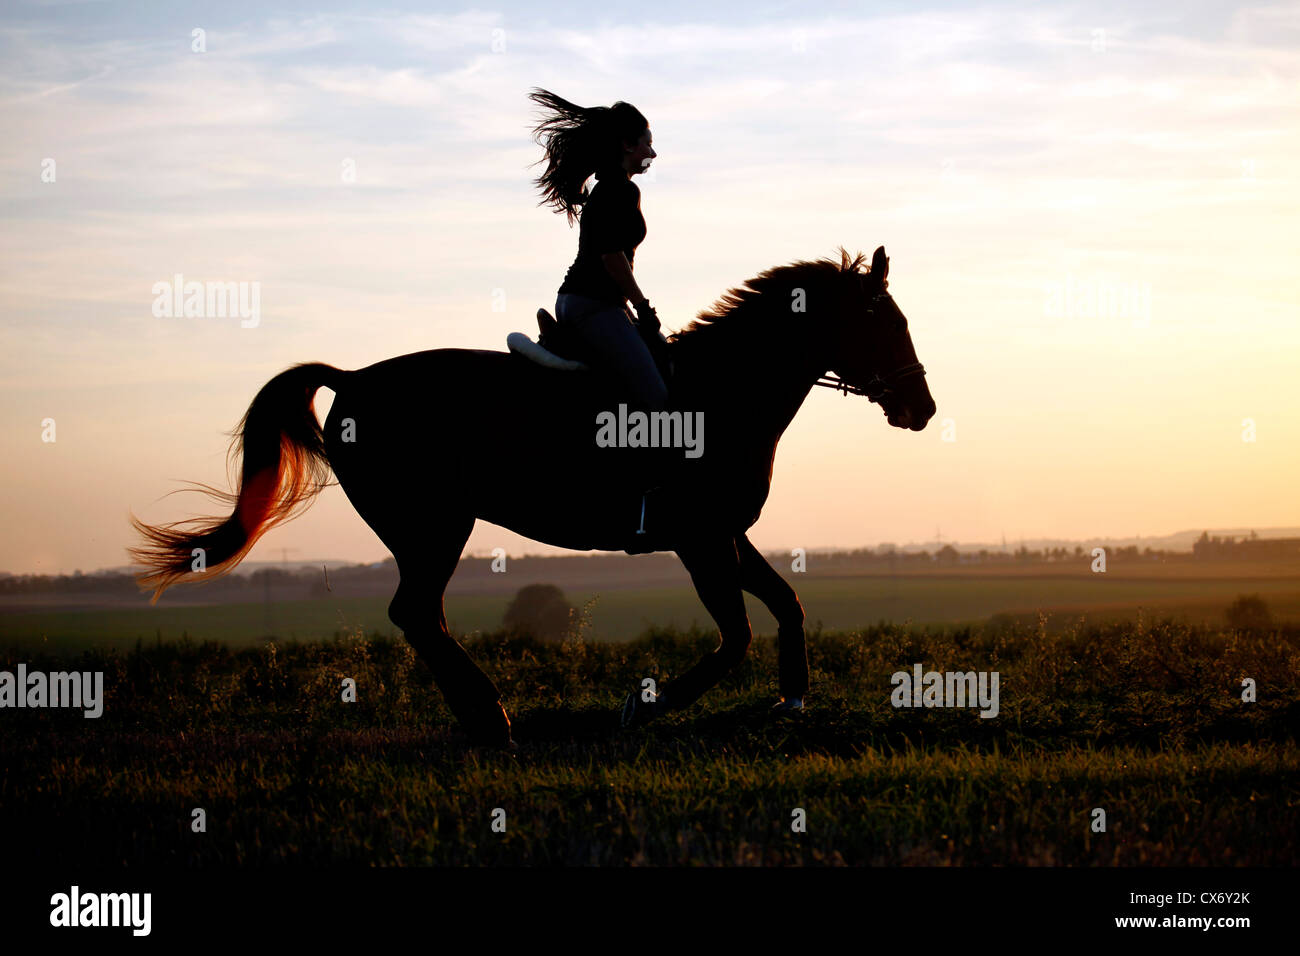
[580,141]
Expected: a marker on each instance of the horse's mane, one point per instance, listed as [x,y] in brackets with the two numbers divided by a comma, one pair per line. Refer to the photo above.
[735,305]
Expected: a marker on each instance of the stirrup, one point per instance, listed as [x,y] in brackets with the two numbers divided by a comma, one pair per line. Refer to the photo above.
[646,540]
[641,543]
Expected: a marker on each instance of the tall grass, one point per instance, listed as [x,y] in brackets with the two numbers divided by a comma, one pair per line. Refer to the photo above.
[1145,721]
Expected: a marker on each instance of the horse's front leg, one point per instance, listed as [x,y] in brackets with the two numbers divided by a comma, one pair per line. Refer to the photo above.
[764,582]
[714,566]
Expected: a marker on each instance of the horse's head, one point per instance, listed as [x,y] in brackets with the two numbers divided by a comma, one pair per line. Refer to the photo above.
[872,348]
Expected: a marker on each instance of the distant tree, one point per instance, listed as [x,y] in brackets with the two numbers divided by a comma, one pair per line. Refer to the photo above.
[1249,613]
[948,555]
[1203,547]
[540,610]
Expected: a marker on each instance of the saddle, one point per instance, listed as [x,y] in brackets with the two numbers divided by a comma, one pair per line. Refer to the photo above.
[558,348]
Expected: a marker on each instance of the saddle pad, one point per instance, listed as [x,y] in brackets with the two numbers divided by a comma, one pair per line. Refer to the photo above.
[523,346]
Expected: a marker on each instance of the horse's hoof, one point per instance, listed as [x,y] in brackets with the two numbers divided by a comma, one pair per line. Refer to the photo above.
[789,705]
[507,746]
[636,712]
[630,716]
[490,728]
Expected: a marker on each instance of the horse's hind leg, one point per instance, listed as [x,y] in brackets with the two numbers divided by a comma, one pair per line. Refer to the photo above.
[764,582]
[426,563]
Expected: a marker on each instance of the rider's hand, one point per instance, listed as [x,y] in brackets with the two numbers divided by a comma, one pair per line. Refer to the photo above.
[646,316]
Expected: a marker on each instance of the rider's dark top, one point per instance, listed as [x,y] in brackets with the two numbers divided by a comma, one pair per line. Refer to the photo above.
[611,221]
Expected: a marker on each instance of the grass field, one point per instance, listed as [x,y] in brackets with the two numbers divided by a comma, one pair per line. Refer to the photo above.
[1144,721]
[965,596]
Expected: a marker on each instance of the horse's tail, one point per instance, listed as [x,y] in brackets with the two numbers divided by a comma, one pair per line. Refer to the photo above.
[285,466]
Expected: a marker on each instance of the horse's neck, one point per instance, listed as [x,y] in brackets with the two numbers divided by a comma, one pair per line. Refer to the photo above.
[765,385]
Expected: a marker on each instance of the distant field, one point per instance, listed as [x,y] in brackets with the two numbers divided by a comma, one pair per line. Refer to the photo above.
[934,597]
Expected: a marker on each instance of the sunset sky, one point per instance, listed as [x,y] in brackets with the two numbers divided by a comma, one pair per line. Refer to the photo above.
[371,171]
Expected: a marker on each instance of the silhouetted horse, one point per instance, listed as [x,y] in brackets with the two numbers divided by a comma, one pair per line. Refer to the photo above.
[426,443]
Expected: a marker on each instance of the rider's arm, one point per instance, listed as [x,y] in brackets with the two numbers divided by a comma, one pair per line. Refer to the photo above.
[616,265]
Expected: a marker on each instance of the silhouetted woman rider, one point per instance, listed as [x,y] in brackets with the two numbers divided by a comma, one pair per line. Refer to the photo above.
[614,143]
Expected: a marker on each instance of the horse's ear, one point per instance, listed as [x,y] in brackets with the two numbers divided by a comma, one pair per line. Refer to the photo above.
[880,265]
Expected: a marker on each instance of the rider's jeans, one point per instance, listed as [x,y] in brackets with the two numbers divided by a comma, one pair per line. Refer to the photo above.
[608,332]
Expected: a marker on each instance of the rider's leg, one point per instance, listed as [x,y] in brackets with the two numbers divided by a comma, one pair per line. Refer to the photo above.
[609,334]
[616,344]
[612,334]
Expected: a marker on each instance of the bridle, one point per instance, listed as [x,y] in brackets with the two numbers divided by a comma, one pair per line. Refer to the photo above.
[878,386]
